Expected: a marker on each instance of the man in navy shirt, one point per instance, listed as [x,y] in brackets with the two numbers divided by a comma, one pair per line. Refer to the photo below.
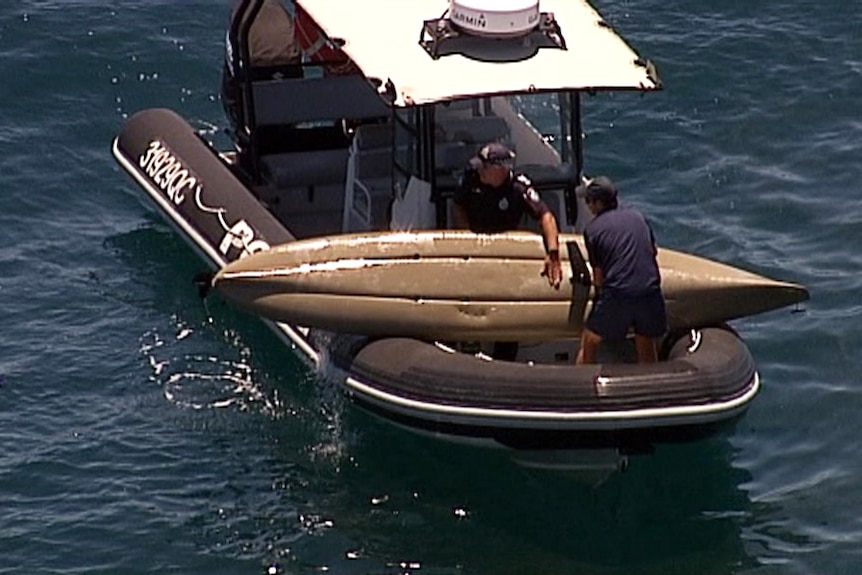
[492,198]
[622,252]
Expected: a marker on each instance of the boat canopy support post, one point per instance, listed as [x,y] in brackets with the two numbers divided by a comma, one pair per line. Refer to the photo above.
[239,33]
[576,132]
[428,168]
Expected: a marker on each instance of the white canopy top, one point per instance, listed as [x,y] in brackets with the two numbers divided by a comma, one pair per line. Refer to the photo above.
[382,38]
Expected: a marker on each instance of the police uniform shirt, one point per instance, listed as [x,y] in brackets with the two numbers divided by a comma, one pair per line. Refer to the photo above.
[493,210]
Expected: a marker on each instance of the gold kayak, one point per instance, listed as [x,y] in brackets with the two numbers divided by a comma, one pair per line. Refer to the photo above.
[447,284]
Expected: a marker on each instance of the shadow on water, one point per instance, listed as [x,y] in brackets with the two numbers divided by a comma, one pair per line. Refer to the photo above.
[416,504]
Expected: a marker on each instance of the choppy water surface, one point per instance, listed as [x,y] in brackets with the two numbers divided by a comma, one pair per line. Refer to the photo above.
[142,431]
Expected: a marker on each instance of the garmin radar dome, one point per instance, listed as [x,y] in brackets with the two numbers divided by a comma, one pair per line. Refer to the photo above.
[495,18]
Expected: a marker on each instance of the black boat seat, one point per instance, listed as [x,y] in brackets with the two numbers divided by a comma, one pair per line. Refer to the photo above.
[474,130]
[545,177]
[372,136]
[316,99]
[374,163]
[295,169]
[452,157]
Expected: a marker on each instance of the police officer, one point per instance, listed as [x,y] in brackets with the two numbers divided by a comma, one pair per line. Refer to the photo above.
[492,198]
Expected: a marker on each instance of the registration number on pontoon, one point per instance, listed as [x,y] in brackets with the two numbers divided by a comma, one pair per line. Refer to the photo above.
[167,172]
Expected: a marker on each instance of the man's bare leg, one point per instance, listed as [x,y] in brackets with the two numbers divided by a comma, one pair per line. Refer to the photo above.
[647,348]
[589,350]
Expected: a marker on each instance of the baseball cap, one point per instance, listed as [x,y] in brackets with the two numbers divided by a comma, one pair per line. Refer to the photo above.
[496,153]
[599,188]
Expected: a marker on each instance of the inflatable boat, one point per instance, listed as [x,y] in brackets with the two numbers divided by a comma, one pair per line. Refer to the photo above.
[360,133]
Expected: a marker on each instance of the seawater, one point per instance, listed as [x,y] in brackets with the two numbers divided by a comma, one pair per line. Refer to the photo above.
[142,430]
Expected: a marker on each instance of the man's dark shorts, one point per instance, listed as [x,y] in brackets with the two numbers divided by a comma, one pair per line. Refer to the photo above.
[613,315]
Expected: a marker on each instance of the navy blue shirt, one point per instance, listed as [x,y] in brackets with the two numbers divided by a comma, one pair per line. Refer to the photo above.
[493,210]
[620,242]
